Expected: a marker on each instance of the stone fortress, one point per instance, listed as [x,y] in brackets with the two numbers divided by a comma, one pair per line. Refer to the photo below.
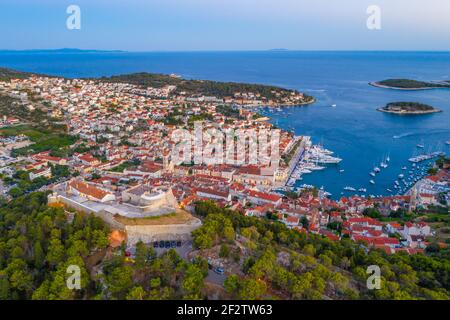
[146,199]
[145,212]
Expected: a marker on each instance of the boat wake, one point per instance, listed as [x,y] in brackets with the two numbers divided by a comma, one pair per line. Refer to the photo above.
[407,134]
[410,134]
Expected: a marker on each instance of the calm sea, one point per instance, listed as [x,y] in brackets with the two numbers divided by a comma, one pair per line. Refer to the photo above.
[353,129]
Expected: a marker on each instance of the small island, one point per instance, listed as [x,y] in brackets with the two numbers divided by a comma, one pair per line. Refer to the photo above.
[408,108]
[407,84]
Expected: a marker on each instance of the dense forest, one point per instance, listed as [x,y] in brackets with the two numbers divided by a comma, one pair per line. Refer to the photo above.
[38,243]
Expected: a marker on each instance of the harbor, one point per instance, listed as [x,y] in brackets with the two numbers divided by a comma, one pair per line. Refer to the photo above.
[308,159]
[410,174]
[312,158]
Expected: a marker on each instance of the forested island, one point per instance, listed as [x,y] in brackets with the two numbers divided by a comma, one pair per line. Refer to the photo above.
[408,84]
[408,108]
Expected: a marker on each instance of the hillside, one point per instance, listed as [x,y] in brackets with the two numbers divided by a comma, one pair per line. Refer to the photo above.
[8,74]
[202,87]
[271,261]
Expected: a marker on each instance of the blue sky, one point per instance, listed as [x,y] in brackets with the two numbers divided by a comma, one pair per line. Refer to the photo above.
[172,25]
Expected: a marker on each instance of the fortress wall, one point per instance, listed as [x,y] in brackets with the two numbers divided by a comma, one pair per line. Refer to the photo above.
[150,233]
[146,233]
[106,216]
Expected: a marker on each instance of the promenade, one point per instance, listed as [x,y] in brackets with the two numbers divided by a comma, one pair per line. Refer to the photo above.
[298,155]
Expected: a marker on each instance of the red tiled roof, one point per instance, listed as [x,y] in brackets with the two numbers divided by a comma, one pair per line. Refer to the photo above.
[88,189]
[263,195]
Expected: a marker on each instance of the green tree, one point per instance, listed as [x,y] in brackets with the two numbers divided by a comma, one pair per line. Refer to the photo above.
[231,284]
[193,282]
[136,293]
[120,281]
[142,254]
[224,251]
[252,289]
[39,255]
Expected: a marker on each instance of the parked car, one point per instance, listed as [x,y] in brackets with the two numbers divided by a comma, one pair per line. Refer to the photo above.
[161,244]
[167,244]
[219,270]
[155,244]
[178,243]
[173,244]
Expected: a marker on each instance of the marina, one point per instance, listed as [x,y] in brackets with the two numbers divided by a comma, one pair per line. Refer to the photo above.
[315,158]
[311,158]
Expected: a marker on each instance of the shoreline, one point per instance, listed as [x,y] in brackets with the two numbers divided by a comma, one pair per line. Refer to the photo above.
[279,105]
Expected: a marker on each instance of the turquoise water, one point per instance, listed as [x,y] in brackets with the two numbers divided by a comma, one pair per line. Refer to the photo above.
[354,130]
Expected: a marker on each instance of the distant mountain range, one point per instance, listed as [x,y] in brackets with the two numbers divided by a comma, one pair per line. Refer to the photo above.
[62,50]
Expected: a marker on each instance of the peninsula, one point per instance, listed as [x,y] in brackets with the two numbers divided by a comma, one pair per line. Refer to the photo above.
[406,108]
[193,90]
[407,84]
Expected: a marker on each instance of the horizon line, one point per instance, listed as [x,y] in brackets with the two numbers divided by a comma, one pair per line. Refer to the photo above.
[74,50]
